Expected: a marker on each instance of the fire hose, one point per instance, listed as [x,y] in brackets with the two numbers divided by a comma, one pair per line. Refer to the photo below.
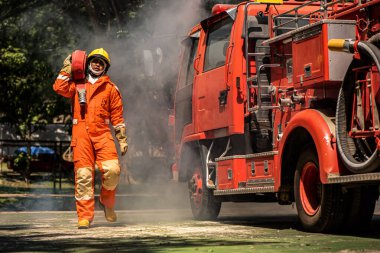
[349,149]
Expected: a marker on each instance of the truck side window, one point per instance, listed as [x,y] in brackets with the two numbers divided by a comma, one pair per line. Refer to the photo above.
[187,68]
[190,66]
[217,43]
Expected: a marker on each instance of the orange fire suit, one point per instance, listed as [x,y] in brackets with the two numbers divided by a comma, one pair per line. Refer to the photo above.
[92,140]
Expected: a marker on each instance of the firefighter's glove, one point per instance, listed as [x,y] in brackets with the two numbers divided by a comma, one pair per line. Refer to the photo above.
[121,136]
[67,65]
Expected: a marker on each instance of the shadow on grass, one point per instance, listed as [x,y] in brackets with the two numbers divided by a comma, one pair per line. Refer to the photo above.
[53,243]
[278,222]
[14,204]
[285,222]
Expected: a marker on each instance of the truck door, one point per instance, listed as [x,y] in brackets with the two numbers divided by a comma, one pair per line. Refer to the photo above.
[212,103]
[184,93]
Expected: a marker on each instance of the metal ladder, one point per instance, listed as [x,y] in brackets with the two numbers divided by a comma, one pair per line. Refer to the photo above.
[260,68]
[326,7]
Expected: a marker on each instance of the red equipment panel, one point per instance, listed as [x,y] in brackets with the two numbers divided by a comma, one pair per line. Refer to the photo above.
[308,60]
[229,174]
[259,168]
[311,64]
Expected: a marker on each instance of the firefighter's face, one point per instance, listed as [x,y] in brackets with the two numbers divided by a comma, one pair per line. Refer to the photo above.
[97,64]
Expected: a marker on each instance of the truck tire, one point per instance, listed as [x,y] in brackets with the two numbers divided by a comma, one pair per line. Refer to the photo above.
[320,207]
[204,206]
[362,206]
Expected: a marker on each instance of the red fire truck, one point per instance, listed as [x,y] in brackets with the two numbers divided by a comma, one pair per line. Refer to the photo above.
[279,101]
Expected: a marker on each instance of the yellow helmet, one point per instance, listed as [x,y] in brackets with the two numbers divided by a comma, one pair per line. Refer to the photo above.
[101,53]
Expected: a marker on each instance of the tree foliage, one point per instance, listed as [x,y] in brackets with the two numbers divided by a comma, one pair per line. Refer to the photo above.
[27,101]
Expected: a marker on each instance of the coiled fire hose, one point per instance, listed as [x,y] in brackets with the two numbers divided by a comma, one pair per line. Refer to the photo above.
[347,148]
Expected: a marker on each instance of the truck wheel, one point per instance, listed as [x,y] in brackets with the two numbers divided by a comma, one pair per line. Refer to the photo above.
[204,206]
[362,205]
[319,206]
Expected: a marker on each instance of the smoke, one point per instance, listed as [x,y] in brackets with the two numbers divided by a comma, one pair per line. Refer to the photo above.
[147,86]
[148,92]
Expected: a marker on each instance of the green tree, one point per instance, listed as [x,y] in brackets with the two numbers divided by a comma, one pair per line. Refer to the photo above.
[34,36]
[26,58]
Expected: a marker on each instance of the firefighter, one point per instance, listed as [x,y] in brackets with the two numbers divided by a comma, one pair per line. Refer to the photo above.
[92,141]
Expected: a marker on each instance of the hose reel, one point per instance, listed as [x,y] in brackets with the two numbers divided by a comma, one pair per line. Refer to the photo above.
[358,148]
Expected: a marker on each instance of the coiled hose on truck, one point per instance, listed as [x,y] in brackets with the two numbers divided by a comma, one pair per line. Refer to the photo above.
[351,150]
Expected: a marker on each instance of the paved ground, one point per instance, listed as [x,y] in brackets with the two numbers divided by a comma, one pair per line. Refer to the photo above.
[156,218]
[260,227]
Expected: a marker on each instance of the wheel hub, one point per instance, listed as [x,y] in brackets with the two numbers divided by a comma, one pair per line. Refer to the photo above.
[195,188]
[310,189]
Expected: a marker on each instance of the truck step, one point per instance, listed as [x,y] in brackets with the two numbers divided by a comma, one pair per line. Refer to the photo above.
[254,155]
[262,189]
[369,177]
[259,54]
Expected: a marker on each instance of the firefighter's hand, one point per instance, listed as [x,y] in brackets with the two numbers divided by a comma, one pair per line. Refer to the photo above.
[121,137]
[67,65]
[123,147]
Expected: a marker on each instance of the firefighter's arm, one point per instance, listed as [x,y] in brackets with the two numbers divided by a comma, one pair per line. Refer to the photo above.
[63,85]
[117,120]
